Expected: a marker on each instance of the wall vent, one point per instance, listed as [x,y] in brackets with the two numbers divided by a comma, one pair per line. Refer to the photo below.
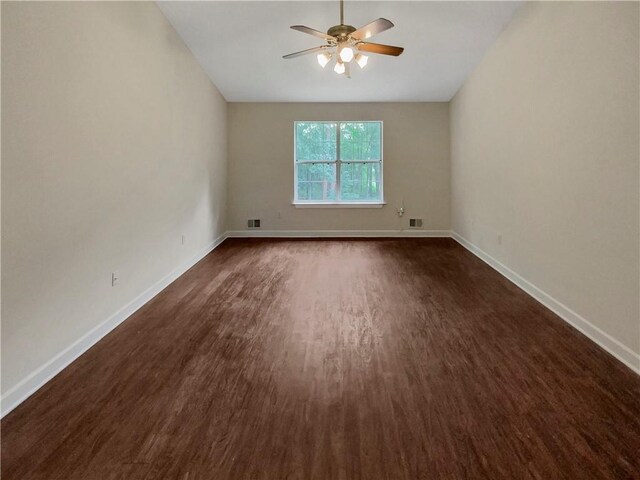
[415,223]
[255,223]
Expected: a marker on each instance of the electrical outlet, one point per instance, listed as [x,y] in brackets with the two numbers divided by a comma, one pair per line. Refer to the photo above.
[255,223]
[415,223]
[114,279]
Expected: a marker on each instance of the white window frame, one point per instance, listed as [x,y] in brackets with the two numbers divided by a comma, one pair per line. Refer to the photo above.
[338,161]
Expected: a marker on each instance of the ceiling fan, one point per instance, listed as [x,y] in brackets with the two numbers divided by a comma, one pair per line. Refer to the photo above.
[346,43]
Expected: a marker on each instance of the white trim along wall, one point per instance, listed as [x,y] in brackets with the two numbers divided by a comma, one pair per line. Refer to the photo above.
[50,369]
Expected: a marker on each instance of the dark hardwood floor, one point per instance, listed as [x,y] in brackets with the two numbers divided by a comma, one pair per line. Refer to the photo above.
[334,359]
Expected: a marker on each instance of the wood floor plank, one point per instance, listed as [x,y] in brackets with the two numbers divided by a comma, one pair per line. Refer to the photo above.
[334,359]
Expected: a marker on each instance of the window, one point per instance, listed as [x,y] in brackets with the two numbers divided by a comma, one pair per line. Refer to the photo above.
[338,162]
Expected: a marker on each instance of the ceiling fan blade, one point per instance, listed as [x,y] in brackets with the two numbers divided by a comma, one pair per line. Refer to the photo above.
[306,52]
[371,29]
[311,31]
[379,48]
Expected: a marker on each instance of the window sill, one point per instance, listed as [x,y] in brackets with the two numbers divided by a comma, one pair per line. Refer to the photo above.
[339,204]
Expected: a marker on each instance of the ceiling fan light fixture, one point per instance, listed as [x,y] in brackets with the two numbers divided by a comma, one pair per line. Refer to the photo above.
[345,42]
[361,60]
[324,58]
[346,54]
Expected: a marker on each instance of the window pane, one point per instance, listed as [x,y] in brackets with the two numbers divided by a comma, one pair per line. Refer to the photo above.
[360,182]
[360,141]
[316,141]
[316,181]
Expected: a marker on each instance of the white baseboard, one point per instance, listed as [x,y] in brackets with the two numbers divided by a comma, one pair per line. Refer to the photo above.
[36,379]
[336,233]
[25,388]
[603,339]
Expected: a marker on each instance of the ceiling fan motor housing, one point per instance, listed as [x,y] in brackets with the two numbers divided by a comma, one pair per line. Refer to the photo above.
[341,32]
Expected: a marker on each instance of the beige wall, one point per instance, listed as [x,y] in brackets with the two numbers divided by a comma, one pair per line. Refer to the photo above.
[544,139]
[114,145]
[416,166]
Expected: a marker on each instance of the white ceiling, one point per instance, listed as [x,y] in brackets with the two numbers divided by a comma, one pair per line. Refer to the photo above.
[240,45]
